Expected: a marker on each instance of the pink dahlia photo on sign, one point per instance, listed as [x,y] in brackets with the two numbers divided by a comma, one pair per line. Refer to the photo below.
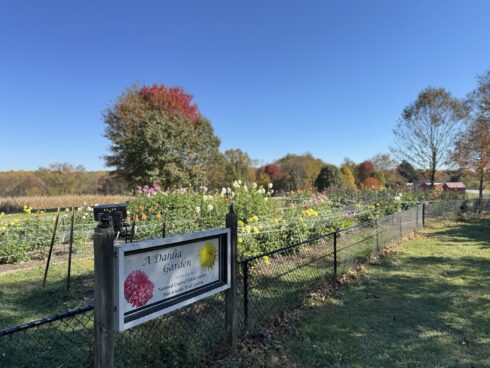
[138,289]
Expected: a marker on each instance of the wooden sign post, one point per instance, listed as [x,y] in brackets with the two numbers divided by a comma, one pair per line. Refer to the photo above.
[104,294]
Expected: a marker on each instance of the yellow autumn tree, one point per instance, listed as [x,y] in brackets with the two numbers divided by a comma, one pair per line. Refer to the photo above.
[350,182]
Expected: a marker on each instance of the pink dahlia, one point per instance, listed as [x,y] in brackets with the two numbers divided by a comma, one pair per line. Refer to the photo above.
[138,288]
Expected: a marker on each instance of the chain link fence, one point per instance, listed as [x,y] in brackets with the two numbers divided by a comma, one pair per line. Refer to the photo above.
[268,284]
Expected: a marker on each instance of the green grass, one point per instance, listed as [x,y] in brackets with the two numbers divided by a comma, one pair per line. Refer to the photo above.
[24,299]
[427,305]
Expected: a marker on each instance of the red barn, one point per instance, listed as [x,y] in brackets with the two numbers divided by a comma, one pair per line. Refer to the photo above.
[457,187]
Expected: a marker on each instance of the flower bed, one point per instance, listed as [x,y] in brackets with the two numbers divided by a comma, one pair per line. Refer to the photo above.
[264,222]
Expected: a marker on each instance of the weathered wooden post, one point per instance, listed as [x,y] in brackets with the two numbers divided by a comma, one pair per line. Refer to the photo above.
[231,293]
[423,214]
[104,293]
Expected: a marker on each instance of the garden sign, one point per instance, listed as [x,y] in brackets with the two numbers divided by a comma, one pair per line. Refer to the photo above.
[158,276]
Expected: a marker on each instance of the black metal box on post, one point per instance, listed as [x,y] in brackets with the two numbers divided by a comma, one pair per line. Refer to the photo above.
[118,213]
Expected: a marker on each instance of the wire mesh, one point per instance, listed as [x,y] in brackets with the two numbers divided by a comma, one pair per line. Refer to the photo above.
[268,284]
[279,281]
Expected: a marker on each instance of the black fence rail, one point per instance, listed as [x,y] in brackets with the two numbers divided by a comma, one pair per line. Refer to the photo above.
[278,280]
[188,337]
[268,284]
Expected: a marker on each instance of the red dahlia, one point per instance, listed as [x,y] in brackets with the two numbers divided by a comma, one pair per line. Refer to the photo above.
[138,289]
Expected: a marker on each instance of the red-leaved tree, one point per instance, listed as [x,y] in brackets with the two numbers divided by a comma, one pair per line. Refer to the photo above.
[172,100]
[365,170]
[274,172]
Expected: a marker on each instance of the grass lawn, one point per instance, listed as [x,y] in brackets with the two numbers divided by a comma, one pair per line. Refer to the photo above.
[425,305]
[24,299]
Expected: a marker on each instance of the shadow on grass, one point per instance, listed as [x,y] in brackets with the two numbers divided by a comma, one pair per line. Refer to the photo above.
[475,231]
[26,300]
[409,311]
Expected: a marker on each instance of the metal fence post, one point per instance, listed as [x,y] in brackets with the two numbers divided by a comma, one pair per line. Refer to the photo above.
[401,229]
[70,249]
[377,235]
[423,214]
[231,293]
[51,245]
[104,294]
[245,295]
[417,217]
[335,255]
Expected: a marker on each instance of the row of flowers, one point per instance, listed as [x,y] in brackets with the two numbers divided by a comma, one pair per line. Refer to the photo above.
[264,222]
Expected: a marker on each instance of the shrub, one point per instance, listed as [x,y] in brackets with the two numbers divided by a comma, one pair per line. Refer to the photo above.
[371,183]
[329,177]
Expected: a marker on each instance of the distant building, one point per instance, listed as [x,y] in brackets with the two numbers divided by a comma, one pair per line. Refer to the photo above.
[427,186]
[457,187]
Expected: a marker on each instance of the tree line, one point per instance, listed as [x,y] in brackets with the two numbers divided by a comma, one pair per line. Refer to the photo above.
[158,135]
[59,179]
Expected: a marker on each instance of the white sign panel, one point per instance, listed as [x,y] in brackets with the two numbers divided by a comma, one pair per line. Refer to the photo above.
[158,276]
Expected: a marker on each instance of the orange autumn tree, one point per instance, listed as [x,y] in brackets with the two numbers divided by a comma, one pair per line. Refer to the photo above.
[473,151]
[371,183]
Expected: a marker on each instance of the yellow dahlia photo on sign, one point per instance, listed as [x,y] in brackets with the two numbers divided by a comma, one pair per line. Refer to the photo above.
[207,255]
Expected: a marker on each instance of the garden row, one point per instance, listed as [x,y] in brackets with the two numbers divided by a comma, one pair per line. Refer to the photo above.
[265,222]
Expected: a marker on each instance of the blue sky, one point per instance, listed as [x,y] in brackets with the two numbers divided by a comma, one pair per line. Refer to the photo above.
[276,76]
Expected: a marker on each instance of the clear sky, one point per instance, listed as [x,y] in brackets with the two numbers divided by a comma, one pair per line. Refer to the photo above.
[273,76]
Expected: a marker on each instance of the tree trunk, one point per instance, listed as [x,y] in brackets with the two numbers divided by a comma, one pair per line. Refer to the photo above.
[433,169]
[481,186]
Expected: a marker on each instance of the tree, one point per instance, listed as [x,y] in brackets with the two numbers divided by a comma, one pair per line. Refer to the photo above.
[238,164]
[428,128]
[261,178]
[21,183]
[349,180]
[383,162]
[479,99]
[365,170]
[329,177]
[274,172]
[302,170]
[353,168]
[158,135]
[111,184]
[60,177]
[406,170]
[473,150]
[371,183]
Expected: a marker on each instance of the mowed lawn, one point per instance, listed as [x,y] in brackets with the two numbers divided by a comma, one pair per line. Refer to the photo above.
[425,305]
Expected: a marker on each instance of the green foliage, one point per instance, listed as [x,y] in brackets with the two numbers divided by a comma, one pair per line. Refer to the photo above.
[265,223]
[301,170]
[406,170]
[21,235]
[149,144]
[238,165]
[329,177]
